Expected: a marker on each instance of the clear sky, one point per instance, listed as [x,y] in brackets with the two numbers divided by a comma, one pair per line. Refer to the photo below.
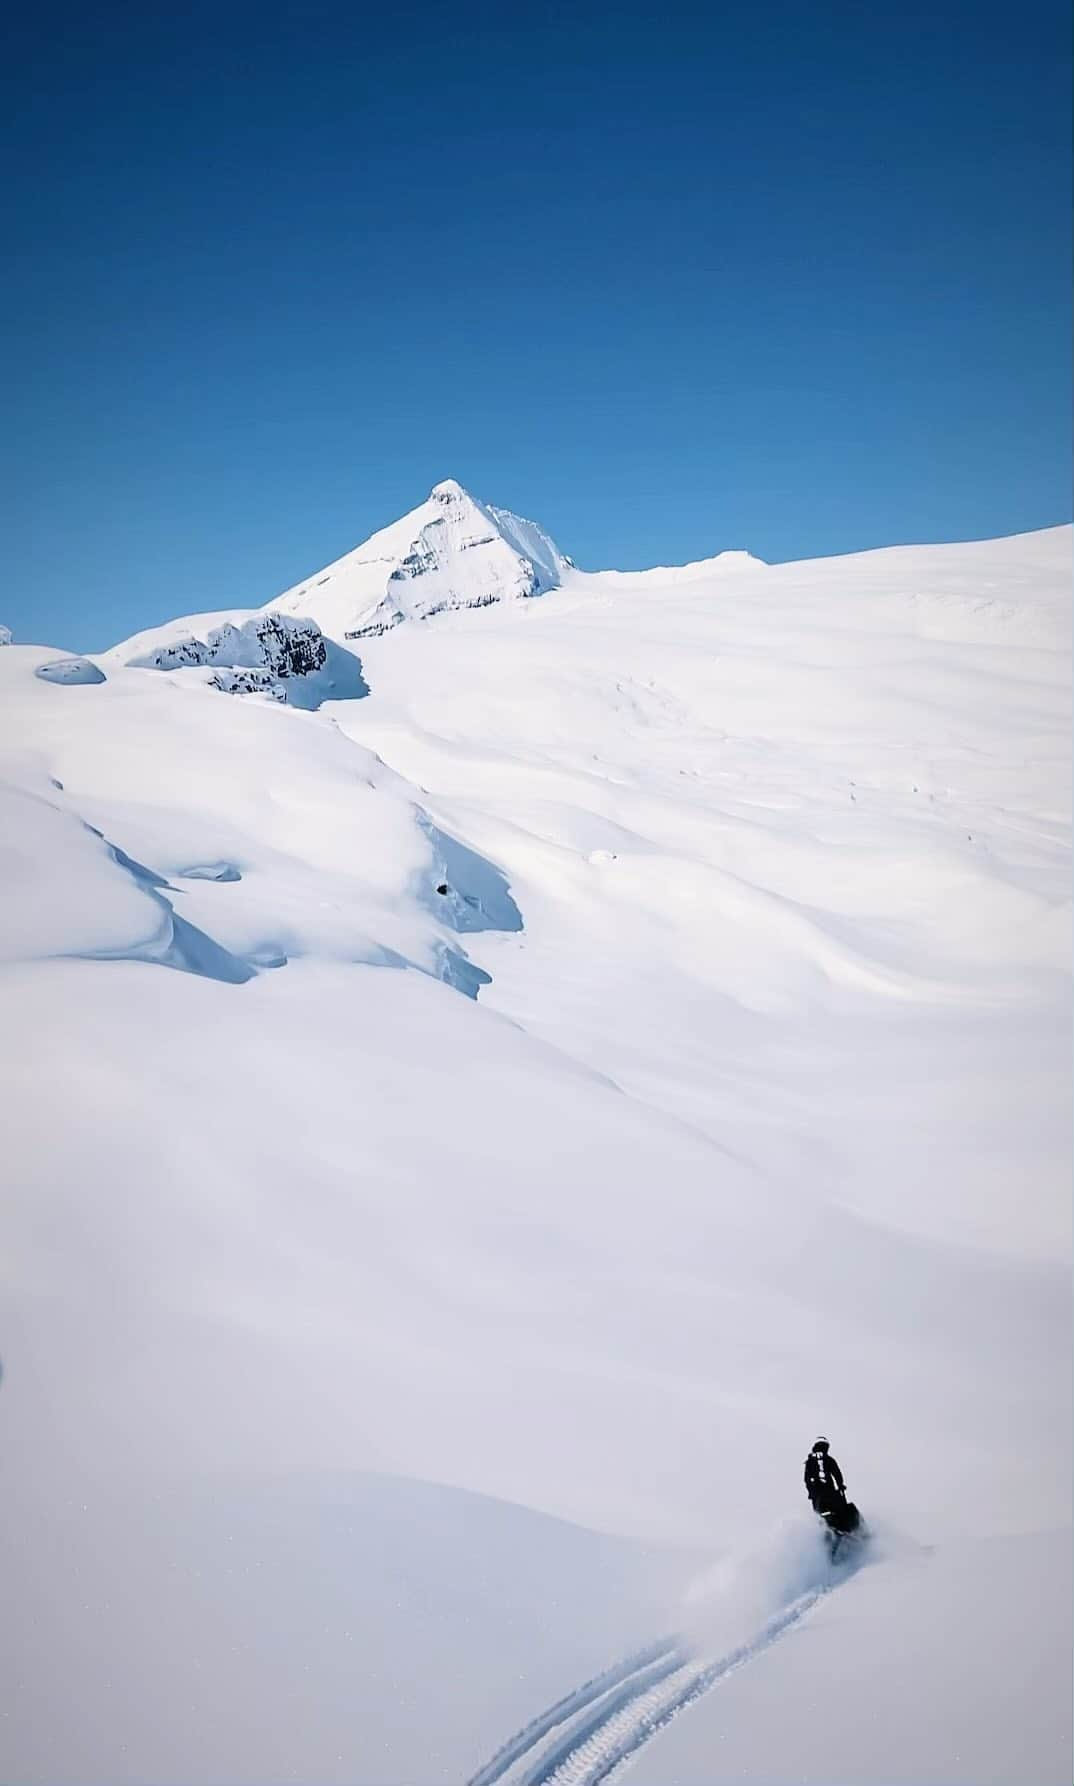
[667,278]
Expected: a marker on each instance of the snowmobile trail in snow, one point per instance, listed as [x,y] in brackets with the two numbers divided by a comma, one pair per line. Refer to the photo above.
[640,1664]
[606,1723]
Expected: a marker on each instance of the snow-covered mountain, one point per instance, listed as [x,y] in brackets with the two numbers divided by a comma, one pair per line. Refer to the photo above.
[471,1122]
[450,552]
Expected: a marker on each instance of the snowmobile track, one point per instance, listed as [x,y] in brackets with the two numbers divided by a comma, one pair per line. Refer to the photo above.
[534,1732]
[627,1705]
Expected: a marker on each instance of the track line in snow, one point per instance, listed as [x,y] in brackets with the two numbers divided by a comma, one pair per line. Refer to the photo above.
[602,1751]
[617,1703]
[606,1721]
[526,1739]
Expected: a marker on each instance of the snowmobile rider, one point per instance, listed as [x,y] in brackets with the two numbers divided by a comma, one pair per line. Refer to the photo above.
[824,1479]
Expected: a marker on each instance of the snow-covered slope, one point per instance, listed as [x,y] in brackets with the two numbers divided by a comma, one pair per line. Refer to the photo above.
[961,1676]
[632,1038]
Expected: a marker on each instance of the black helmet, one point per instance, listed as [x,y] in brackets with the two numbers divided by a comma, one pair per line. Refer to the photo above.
[820,1444]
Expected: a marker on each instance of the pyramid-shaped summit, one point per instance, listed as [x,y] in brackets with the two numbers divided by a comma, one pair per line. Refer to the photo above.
[450,552]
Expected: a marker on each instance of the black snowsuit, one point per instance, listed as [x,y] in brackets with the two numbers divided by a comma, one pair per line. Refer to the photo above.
[824,1482]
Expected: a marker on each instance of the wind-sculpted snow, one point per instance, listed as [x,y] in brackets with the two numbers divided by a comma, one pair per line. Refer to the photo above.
[177,944]
[206,917]
[210,871]
[70,892]
[470,893]
[92,920]
[457,970]
[64,893]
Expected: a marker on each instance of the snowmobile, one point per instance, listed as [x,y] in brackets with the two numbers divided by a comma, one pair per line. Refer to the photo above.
[844,1528]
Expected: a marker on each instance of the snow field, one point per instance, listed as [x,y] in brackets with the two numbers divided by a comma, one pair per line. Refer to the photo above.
[720,1098]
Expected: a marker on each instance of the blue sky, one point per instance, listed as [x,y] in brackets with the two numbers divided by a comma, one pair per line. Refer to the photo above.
[668,279]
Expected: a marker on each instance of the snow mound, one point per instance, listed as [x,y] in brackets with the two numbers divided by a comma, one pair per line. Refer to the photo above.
[70,672]
[5,635]
[451,552]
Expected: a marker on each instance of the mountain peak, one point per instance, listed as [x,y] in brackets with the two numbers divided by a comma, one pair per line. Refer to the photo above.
[452,551]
